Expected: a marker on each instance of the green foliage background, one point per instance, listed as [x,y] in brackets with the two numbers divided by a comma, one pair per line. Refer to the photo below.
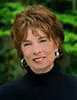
[9,65]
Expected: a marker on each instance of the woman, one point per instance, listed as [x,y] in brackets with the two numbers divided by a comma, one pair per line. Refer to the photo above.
[38,37]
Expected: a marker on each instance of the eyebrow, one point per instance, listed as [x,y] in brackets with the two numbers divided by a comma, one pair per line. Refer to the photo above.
[26,41]
[40,37]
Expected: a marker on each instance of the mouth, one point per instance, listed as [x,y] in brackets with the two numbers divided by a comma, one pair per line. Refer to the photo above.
[38,59]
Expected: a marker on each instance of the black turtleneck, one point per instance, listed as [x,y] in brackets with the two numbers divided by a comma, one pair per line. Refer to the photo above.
[53,74]
[53,85]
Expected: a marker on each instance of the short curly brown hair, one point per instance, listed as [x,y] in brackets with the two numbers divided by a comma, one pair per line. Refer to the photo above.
[36,17]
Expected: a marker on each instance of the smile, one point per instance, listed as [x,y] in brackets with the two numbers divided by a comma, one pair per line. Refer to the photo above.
[39,59]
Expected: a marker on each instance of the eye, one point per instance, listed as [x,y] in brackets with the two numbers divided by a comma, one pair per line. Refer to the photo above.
[44,40]
[26,44]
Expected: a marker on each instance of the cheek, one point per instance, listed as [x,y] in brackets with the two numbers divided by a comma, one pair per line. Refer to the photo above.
[50,48]
[26,53]
[50,52]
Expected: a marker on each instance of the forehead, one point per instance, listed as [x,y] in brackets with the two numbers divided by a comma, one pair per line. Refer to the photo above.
[35,33]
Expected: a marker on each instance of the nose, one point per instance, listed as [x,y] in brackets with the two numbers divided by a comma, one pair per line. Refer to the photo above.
[37,49]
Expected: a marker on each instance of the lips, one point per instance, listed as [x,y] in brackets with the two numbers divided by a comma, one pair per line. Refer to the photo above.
[38,59]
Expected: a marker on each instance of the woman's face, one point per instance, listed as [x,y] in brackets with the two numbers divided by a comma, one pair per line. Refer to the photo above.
[39,52]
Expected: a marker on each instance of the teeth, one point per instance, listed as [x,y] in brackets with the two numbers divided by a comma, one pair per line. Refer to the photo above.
[38,59]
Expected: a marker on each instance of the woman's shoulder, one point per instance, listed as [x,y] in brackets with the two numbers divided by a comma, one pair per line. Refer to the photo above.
[13,86]
[71,81]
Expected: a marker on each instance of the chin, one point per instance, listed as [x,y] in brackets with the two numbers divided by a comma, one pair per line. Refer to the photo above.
[42,69]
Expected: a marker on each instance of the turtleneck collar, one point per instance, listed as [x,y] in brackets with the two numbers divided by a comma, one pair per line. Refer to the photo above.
[55,71]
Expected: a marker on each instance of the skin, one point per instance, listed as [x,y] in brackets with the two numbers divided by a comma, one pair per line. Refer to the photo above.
[39,52]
